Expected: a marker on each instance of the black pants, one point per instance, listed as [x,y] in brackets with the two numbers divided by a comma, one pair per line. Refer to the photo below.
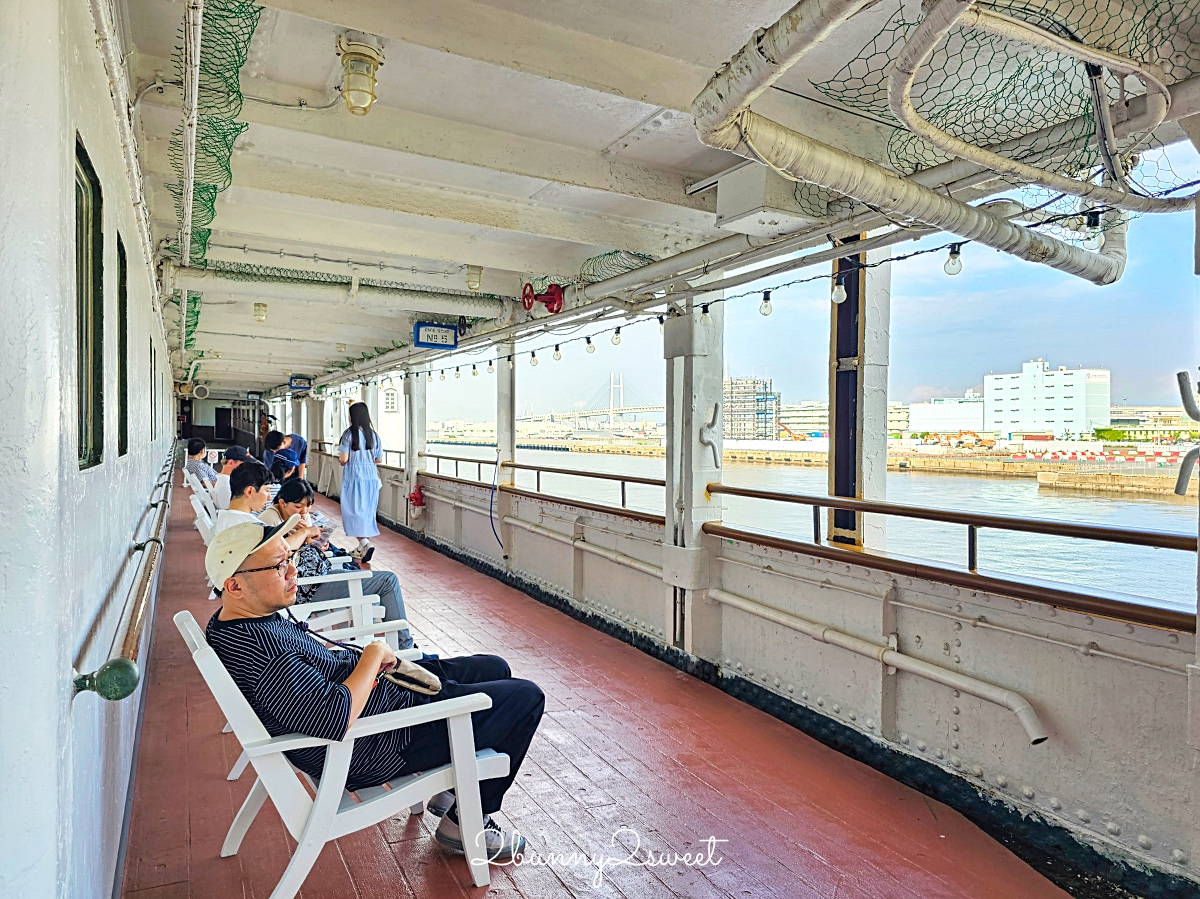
[508,726]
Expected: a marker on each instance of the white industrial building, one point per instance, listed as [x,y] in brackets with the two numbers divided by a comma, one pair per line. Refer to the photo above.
[947,415]
[1039,399]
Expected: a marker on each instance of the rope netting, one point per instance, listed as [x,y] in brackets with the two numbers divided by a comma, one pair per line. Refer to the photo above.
[193,314]
[228,27]
[597,268]
[987,90]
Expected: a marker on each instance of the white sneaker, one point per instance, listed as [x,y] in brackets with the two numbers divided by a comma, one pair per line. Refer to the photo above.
[499,845]
[440,804]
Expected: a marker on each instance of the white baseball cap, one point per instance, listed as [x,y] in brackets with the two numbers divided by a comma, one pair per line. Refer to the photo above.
[231,546]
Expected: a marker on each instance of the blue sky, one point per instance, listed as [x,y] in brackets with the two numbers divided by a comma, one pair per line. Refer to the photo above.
[947,332]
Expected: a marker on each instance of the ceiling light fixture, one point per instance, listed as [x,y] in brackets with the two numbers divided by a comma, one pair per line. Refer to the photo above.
[341,347]
[360,62]
[474,277]
[260,312]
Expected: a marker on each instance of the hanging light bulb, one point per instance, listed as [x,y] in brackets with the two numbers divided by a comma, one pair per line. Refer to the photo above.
[474,277]
[442,375]
[661,324]
[510,362]
[430,378]
[474,372]
[764,308]
[260,312]
[457,373]
[704,309]
[616,338]
[839,292]
[557,353]
[491,368]
[360,62]
[533,358]
[591,347]
[954,261]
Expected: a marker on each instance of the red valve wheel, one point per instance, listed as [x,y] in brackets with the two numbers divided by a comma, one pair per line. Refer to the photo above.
[527,296]
[554,299]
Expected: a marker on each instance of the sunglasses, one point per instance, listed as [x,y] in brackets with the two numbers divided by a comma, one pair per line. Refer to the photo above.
[281,568]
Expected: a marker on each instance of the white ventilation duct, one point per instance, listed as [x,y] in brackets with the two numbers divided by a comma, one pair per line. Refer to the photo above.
[725,121]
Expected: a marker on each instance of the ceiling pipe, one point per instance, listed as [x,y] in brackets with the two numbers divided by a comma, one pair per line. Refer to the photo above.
[114,68]
[948,13]
[335,293]
[193,22]
[725,121]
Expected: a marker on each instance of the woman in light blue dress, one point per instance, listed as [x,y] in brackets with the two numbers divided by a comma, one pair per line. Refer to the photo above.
[359,452]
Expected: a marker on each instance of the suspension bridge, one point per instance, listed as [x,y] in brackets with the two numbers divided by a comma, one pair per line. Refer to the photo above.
[614,400]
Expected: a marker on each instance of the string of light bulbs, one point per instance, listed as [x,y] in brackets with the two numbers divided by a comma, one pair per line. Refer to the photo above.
[838,295]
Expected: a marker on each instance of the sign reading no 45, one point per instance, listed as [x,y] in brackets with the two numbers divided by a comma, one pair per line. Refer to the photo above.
[435,336]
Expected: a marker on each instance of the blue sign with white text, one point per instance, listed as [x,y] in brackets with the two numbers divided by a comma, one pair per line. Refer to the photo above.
[435,336]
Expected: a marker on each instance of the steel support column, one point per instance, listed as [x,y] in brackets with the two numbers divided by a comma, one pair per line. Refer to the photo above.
[414,435]
[858,372]
[693,346]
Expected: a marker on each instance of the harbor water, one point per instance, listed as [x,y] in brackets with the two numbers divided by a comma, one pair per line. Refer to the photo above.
[1155,576]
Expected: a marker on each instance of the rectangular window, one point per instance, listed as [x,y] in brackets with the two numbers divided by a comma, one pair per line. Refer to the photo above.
[153,393]
[89,310]
[122,349]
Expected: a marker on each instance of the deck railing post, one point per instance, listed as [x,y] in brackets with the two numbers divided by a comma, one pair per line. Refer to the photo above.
[414,437]
[694,349]
[972,547]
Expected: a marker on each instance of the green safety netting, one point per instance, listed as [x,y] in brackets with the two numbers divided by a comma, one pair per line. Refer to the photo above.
[228,26]
[192,321]
[986,89]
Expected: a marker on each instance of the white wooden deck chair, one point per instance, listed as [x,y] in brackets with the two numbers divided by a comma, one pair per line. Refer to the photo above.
[200,491]
[204,522]
[334,812]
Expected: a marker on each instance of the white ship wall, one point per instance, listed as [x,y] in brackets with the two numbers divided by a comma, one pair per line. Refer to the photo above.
[1115,773]
[65,561]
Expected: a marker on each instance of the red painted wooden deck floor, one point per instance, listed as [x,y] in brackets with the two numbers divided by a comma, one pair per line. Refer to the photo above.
[627,742]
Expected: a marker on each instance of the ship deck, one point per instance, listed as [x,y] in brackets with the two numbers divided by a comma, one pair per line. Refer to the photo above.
[626,742]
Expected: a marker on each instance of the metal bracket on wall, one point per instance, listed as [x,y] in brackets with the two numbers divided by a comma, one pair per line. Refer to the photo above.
[707,437]
[1193,411]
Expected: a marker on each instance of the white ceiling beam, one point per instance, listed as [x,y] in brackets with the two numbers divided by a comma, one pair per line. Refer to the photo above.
[522,44]
[413,137]
[414,204]
[344,228]
[513,41]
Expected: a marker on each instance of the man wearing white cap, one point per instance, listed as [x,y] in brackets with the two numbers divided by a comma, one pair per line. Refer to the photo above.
[296,684]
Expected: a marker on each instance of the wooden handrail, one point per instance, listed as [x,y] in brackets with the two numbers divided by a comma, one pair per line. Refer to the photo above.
[118,677]
[648,517]
[600,475]
[457,459]
[1131,536]
[1087,604]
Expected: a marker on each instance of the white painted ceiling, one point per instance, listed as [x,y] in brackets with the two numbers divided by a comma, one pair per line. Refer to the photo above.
[522,135]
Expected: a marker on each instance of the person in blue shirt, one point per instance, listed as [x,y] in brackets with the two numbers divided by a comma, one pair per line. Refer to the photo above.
[277,440]
[360,451]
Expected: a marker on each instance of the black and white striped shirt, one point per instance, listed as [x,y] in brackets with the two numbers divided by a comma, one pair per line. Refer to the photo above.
[294,684]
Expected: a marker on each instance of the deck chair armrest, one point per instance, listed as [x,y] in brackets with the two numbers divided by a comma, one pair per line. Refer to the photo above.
[421,714]
[349,633]
[325,605]
[285,743]
[340,577]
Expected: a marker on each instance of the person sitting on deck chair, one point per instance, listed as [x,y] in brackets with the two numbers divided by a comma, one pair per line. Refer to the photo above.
[296,498]
[285,466]
[297,684]
[277,440]
[196,466]
[250,487]
[233,457]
